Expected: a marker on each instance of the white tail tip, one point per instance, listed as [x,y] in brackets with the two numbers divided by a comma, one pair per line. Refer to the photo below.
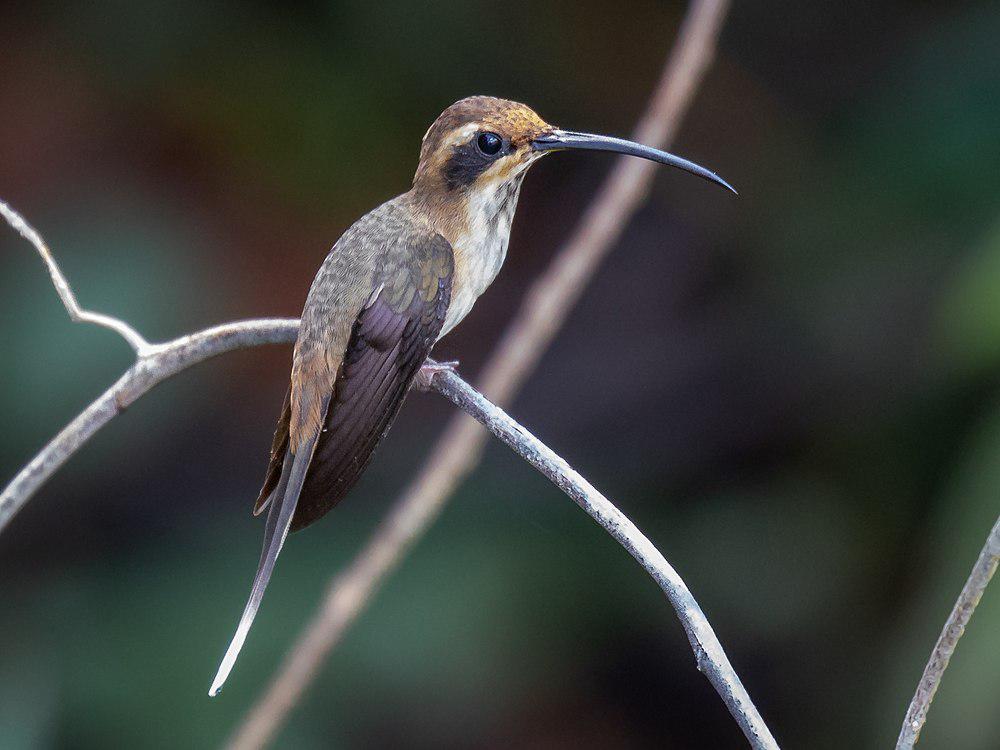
[231,653]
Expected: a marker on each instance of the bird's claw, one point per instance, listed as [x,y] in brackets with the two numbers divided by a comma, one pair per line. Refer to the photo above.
[425,375]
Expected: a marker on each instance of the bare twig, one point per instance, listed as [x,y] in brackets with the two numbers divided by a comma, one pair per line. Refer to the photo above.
[542,313]
[954,627]
[76,313]
[154,364]
[710,657]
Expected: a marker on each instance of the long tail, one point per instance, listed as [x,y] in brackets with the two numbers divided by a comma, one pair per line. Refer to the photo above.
[279,517]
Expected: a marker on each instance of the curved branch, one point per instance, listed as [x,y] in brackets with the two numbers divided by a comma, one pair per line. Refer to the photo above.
[545,308]
[156,363]
[954,628]
[709,656]
[172,357]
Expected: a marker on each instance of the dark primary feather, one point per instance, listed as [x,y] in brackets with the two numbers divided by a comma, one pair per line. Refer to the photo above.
[387,349]
[279,445]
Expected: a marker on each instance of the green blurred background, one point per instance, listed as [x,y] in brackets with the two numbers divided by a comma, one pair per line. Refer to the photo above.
[795,394]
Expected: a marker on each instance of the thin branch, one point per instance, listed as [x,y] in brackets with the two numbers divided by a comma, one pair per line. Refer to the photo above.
[76,313]
[709,656]
[165,361]
[954,628]
[458,451]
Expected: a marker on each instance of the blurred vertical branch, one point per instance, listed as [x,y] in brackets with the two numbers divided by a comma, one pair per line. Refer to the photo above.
[954,628]
[542,313]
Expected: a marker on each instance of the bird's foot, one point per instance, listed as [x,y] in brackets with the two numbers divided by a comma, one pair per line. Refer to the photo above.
[431,368]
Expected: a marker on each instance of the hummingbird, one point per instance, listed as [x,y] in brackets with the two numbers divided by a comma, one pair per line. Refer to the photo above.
[397,280]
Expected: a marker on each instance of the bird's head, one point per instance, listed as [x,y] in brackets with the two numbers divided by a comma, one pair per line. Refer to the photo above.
[482,143]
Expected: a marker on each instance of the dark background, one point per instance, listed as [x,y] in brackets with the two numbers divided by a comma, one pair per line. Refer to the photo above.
[796,394]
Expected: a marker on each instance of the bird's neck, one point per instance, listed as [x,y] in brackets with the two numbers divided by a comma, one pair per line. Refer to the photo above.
[477,225]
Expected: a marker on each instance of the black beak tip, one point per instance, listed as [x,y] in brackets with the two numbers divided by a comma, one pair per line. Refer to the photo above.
[727,186]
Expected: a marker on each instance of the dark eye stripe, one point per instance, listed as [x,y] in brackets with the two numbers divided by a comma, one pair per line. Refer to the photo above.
[470,160]
[463,166]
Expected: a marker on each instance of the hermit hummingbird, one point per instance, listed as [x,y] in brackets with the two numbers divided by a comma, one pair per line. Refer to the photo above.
[397,280]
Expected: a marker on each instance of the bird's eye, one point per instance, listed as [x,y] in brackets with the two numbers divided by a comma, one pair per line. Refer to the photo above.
[489,143]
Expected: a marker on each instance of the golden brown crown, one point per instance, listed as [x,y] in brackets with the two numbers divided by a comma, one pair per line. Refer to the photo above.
[516,123]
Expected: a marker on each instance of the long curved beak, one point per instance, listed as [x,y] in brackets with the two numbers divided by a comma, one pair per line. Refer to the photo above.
[559,140]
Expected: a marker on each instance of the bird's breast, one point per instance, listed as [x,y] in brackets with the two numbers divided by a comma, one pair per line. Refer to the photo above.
[481,250]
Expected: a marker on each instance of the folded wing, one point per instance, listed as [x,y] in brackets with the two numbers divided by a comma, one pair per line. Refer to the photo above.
[314,462]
